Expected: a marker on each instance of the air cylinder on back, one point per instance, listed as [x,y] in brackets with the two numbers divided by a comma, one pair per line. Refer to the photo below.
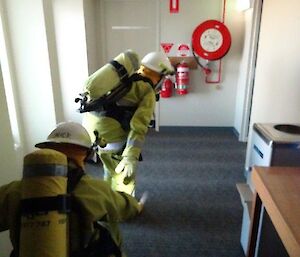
[44,207]
[108,77]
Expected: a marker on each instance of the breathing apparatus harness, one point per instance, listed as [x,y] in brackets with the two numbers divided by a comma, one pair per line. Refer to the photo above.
[113,95]
[106,105]
[103,246]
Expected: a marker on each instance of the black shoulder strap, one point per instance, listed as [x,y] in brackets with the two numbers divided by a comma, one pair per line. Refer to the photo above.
[74,177]
[125,87]
[121,70]
[137,77]
[117,93]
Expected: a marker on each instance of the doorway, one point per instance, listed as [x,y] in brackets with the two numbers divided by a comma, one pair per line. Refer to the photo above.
[129,24]
[247,72]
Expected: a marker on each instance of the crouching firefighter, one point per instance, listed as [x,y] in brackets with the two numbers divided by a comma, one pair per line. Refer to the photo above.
[118,118]
[57,210]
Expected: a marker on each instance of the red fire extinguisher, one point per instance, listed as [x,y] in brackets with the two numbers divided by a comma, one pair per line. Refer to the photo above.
[166,88]
[182,78]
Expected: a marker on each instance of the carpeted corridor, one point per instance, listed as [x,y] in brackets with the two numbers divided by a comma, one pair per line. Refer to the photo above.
[193,209]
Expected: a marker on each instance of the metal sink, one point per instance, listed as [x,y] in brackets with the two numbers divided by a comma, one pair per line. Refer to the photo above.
[287,128]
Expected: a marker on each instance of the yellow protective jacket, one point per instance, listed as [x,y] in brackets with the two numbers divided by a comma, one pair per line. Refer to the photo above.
[141,96]
[94,197]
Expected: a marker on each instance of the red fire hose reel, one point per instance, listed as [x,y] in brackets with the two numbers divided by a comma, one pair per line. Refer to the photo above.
[211,40]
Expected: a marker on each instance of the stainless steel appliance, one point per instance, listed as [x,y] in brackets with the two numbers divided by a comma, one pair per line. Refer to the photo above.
[271,145]
[274,145]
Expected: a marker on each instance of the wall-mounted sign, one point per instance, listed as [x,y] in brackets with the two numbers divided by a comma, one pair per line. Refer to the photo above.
[178,49]
[184,50]
[167,47]
[174,6]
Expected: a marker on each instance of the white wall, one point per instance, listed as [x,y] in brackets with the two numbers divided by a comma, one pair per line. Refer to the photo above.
[10,165]
[9,169]
[32,71]
[49,57]
[71,47]
[276,88]
[205,104]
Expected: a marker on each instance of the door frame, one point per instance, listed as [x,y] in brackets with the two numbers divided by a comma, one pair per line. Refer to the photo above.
[257,12]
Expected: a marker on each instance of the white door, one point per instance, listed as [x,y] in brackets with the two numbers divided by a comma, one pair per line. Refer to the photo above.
[128,24]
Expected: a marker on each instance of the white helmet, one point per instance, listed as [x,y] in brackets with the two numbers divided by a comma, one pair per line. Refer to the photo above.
[70,133]
[158,62]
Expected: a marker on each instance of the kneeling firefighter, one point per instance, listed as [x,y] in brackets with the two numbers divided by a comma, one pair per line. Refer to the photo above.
[117,122]
[57,210]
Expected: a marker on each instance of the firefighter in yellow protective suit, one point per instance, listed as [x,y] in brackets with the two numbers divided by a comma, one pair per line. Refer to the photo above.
[120,128]
[94,204]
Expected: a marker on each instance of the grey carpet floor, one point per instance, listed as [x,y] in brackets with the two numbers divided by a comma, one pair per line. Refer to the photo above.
[193,207]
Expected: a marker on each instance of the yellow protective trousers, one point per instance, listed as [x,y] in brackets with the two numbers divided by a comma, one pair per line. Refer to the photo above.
[141,96]
[112,133]
[110,162]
